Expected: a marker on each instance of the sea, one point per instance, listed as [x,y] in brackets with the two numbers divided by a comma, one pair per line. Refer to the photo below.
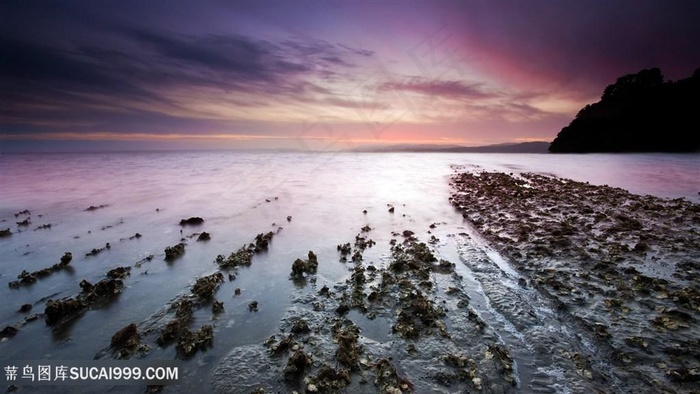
[312,201]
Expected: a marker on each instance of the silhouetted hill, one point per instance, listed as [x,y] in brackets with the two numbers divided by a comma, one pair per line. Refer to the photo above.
[639,113]
[524,147]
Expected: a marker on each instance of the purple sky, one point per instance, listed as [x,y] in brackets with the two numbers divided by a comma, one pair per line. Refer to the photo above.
[320,75]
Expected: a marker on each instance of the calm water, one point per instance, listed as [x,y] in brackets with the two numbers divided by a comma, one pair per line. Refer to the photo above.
[325,193]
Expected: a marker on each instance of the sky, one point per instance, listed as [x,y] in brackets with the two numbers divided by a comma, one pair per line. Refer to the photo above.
[321,75]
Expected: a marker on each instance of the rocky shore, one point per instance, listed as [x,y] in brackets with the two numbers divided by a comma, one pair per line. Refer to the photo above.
[542,284]
[622,266]
[402,326]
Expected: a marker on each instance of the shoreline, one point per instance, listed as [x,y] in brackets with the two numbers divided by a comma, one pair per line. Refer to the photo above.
[622,266]
[500,300]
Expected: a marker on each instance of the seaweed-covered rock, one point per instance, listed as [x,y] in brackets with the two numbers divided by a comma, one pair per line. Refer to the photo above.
[345,250]
[102,290]
[126,341]
[262,241]
[183,315]
[66,259]
[388,380]
[312,263]
[119,272]
[348,349]
[57,310]
[301,267]
[26,278]
[329,380]
[206,286]
[297,364]
[300,326]
[169,333]
[241,257]
[173,252]
[217,307]
[189,342]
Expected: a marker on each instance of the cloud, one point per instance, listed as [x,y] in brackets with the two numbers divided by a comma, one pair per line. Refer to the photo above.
[456,90]
[151,71]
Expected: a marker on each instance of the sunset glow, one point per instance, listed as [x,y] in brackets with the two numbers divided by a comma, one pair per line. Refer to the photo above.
[365,73]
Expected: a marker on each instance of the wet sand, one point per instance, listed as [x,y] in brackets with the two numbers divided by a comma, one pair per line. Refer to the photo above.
[621,266]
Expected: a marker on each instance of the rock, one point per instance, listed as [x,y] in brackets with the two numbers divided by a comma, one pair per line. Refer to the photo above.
[300,267]
[262,241]
[119,272]
[253,306]
[205,287]
[348,351]
[344,249]
[388,380]
[193,221]
[66,259]
[242,256]
[169,333]
[296,365]
[8,332]
[126,339]
[25,212]
[104,289]
[342,309]
[173,252]
[204,236]
[25,308]
[57,310]
[329,380]
[217,307]
[300,327]
[94,208]
[26,278]
[189,342]
[5,233]
[684,374]
[312,263]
